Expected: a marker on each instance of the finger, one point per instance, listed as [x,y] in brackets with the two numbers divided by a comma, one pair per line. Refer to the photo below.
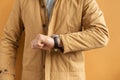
[40,44]
[37,45]
[34,44]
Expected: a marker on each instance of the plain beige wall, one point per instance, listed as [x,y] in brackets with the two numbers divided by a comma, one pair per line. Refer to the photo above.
[101,64]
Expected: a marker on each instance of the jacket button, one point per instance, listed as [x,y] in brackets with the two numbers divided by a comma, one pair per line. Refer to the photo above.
[44,25]
[43,6]
[0,71]
[43,66]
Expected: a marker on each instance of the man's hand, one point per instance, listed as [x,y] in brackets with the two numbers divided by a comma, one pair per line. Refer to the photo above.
[42,42]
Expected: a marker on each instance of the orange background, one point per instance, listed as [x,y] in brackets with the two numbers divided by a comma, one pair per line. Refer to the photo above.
[101,64]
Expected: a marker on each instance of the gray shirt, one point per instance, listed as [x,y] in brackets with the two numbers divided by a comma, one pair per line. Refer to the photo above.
[49,5]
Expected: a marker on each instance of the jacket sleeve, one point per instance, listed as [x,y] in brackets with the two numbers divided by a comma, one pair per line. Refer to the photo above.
[95,33]
[9,43]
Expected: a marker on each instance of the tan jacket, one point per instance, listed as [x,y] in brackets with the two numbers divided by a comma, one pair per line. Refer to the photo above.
[80,24]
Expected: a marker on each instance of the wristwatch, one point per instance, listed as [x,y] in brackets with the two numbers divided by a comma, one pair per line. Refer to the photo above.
[56,44]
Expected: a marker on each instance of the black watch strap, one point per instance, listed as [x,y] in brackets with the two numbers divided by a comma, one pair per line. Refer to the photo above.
[56,45]
[55,42]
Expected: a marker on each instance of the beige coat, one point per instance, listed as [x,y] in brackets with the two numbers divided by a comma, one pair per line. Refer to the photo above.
[80,24]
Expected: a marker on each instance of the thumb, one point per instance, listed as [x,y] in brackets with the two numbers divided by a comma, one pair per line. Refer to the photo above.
[41,45]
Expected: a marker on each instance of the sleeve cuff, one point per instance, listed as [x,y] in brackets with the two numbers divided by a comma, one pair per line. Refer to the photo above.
[65,42]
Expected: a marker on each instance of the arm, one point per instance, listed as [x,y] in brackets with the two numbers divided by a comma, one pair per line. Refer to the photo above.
[9,43]
[95,32]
